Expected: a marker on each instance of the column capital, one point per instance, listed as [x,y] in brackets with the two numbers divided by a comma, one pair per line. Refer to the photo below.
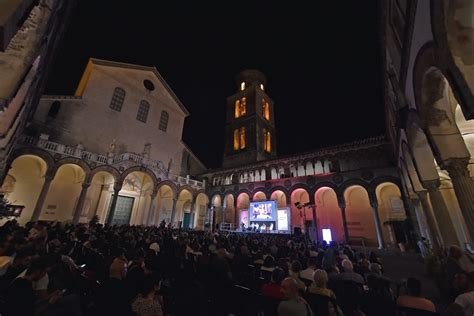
[431,185]
[373,202]
[422,194]
[456,167]
[340,200]
[153,194]
[86,185]
[117,187]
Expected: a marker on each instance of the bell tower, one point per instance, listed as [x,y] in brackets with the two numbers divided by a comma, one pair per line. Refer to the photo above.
[250,122]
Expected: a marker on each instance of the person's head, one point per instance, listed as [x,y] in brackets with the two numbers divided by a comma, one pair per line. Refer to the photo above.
[269,262]
[296,266]
[278,275]
[413,287]
[375,268]
[22,258]
[461,281]
[320,278]
[455,252]
[347,265]
[118,268]
[289,287]
[312,263]
[37,270]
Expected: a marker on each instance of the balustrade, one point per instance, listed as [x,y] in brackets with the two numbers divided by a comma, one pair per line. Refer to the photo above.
[99,159]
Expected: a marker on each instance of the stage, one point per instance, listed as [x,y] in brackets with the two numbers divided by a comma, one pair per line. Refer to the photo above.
[268,232]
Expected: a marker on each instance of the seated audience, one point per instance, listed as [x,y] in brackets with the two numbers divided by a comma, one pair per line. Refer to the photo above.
[294,304]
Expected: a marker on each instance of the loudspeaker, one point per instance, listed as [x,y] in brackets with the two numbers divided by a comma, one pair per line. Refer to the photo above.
[297,231]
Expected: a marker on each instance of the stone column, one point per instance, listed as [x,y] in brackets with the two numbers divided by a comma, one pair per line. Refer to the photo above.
[236,214]
[441,212]
[464,189]
[80,203]
[433,229]
[42,197]
[193,212]
[151,215]
[378,225]
[115,196]
[342,206]
[173,211]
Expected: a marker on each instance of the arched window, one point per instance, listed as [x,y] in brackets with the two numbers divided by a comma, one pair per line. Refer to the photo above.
[265,109]
[243,106]
[143,110]
[54,109]
[236,139]
[242,137]
[117,99]
[240,107]
[164,121]
[267,141]
[237,108]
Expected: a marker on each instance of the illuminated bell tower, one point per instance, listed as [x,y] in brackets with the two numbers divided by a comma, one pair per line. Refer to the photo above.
[250,122]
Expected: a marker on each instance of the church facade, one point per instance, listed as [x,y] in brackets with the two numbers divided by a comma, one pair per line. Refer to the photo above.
[112,150]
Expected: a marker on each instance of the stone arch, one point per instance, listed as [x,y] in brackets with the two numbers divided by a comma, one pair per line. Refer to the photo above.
[282,189]
[73,161]
[328,212]
[28,175]
[259,192]
[228,207]
[139,169]
[300,217]
[216,198]
[201,202]
[65,190]
[187,188]
[327,184]
[352,182]
[360,220]
[109,169]
[44,155]
[169,183]
[184,200]
[454,36]
[301,186]
[391,211]
[382,179]
[281,202]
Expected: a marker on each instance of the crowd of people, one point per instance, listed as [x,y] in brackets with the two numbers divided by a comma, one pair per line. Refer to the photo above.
[60,269]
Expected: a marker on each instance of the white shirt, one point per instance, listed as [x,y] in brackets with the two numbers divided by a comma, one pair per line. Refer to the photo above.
[41,284]
[466,301]
[307,274]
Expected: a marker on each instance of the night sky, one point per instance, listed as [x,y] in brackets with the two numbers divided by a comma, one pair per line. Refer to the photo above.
[321,60]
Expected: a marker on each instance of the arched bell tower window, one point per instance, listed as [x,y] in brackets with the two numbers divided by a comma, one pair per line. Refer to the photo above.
[240,107]
[239,139]
[265,109]
[267,141]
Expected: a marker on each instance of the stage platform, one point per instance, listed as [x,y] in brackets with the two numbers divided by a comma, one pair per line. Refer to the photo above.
[271,232]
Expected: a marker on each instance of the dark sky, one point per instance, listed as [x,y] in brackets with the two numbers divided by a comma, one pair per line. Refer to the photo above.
[321,59]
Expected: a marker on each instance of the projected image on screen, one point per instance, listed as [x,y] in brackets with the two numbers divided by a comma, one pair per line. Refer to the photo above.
[262,211]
